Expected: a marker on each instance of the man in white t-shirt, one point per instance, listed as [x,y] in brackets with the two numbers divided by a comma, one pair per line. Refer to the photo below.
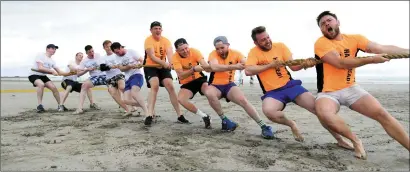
[90,64]
[114,77]
[71,84]
[128,60]
[43,65]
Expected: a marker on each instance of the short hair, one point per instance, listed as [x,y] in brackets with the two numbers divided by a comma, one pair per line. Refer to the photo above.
[106,42]
[88,47]
[179,42]
[257,30]
[76,54]
[155,23]
[324,13]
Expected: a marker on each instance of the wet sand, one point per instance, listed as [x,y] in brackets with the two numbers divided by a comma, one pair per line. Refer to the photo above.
[103,140]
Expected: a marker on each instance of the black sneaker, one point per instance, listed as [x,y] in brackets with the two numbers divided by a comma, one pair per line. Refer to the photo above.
[148,120]
[207,121]
[65,109]
[182,119]
[40,108]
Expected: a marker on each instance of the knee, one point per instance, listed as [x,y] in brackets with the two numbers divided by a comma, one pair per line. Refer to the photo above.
[242,101]
[271,113]
[181,100]
[209,94]
[85,86]
[40,85]
[168,85]
[381,115]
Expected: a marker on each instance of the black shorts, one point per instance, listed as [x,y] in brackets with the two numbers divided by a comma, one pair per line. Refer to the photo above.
[33,78]
[75,86]
[195,85]
[151,72]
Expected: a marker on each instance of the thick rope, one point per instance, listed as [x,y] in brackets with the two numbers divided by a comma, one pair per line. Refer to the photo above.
[302,62]
[305,62]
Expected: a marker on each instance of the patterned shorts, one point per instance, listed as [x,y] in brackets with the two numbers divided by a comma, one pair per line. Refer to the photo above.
[114,80]
[98,80]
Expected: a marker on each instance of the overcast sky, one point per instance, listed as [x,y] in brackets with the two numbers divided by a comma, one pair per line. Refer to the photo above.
[27,27]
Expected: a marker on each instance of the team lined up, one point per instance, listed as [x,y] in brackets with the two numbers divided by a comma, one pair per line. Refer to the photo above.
[337,84]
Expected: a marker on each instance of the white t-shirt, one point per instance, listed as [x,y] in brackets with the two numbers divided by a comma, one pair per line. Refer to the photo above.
[72,77]
[131,57]
[47,62]
[91,63]
[110,60]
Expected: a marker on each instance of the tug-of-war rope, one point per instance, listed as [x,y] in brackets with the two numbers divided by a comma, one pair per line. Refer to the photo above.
[306,63]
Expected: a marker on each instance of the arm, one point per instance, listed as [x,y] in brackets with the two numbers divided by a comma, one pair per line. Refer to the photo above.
[205,65]
[151,54]
[376,48]
[62,73]
[252,67]
[169,54]
[215,67]
[42,69]
[333,58]
[184,74]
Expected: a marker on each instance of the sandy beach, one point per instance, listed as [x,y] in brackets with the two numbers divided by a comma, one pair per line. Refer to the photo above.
[104,140]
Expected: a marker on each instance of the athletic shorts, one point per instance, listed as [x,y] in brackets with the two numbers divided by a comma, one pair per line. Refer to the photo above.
[225,89]
[346,96]
[151,72]
[33,78]
[75,86]
[98,80]
[195,85]
[134,80]
[287,93]
[113,81]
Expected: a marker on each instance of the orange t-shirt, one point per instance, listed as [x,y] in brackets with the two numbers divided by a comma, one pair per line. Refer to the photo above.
[333,78]
[222,78]
[187,63]
[160,49]
[272,78]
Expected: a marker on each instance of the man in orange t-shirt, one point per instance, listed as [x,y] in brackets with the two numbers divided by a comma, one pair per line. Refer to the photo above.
[186,62]
[224,61]
[157,50]
[337,81]
[278,86]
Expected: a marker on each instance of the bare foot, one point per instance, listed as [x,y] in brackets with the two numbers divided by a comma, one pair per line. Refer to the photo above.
[359,151]
[295,131]
[344,144]
[78,111]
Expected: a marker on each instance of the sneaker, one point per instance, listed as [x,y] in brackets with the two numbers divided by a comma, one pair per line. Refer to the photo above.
[148,120]
[228,125]
[65,109]
[267,132]
[207,121]
[40,108]
[60,108]
[94,106]
[182,119]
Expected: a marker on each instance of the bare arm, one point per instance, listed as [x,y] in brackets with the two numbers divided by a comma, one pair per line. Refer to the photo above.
[42,69]
[151,54]
[376,48]
[294,68]
[220,68]
[333,58]
[169,54]
[205,65]
[184,74]
[251,70]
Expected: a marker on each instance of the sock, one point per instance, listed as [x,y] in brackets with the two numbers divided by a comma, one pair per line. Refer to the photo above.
[222,116]
[261,123]
[200,113]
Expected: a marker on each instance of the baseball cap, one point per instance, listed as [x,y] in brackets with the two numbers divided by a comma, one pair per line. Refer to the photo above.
[116,45]
[155,23]
[222,39]
[52,46]
[179,42]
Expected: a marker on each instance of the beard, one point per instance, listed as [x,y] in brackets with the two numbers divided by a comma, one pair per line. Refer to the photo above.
[333,34]
[224,55]
[265,48]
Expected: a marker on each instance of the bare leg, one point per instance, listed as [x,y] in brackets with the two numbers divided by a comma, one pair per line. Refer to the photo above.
[53,89]
[116,96]
[172,95]
[66,93]
[136,95]
[370,107]
[307,101]
[272,108]
[152,97]
[326,110]
[87,85]
[40,90]
[213,95]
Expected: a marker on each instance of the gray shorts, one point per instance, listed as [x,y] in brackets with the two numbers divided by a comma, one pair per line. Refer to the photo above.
[346,96]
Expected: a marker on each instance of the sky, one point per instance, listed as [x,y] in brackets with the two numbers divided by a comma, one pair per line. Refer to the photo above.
[27,27]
